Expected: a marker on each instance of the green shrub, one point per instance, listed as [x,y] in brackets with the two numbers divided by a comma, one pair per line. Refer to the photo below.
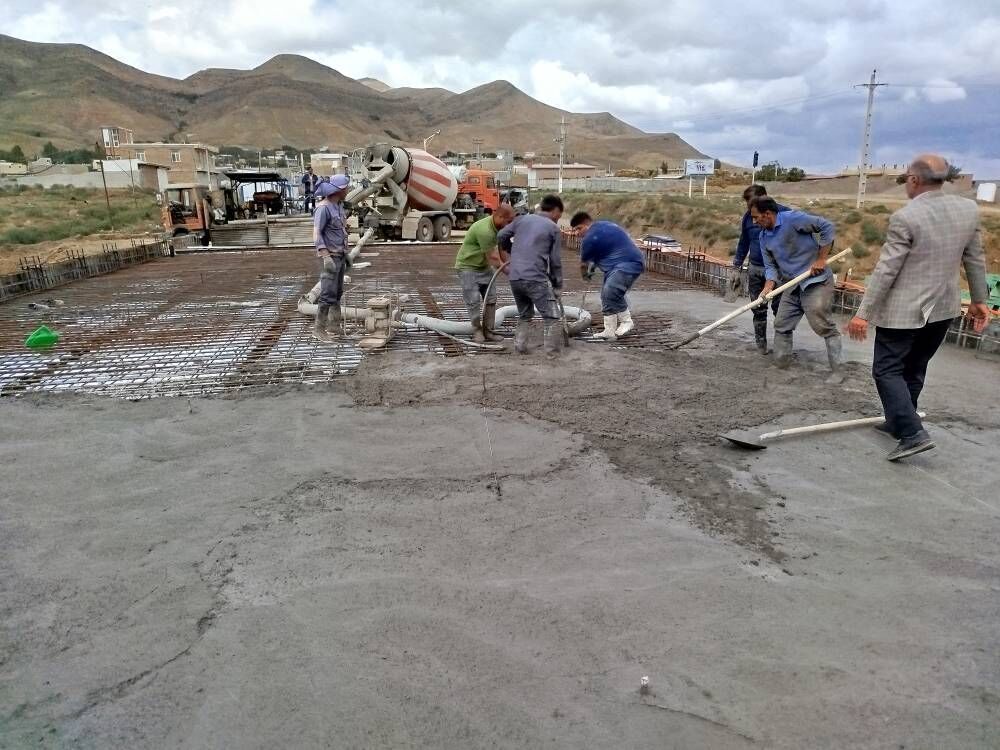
[871,233]
[860,251]
[878,208]
[23,236]
[852,217]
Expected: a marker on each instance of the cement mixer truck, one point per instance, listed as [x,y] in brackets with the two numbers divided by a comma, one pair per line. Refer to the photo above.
[408,194]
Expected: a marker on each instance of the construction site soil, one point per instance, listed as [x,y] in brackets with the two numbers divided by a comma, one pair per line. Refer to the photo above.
[493,551]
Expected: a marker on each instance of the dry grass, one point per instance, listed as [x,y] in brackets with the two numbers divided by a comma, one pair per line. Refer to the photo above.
[45,223]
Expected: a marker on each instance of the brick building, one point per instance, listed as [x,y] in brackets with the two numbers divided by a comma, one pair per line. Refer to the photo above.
[187,163]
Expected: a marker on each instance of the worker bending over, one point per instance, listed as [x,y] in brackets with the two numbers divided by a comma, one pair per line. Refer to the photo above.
[607,246]
[789,247]
[477,262]
[749,245]
[330,236]
[534,244]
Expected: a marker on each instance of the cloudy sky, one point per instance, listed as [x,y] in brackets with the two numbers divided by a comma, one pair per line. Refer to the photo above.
[730,77]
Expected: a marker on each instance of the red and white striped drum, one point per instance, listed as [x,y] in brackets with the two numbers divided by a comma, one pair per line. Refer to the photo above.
[430,185]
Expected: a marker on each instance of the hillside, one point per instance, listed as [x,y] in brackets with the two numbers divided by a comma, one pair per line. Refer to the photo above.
[66,92]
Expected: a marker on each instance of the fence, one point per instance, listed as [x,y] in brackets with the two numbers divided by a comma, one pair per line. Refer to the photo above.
[36,276]
[694,266]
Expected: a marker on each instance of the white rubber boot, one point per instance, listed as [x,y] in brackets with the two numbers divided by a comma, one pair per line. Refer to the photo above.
[610,324]
[625,324]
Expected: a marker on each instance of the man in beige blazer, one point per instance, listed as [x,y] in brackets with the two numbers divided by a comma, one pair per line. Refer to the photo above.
[914,294]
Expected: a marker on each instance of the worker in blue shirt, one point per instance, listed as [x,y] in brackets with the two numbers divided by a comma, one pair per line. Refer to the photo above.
[330,238]
[789,245]
[749,245]
[607,246]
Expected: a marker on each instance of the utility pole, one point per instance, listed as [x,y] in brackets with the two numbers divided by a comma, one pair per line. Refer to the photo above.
[107,198]
[561,140]
[866,141]
[478,142]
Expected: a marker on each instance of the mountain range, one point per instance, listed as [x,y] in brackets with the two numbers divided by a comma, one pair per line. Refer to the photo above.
[65,93]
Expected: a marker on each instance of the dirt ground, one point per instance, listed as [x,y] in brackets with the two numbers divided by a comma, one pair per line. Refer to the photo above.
[407,558]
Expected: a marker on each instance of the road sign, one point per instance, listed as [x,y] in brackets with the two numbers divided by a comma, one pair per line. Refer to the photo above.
[699,167]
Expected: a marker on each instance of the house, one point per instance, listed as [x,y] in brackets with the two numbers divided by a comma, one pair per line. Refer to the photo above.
[12,167]
[187,163]
[327,163]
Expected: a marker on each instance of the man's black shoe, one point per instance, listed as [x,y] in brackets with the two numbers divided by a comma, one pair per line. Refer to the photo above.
[911,446]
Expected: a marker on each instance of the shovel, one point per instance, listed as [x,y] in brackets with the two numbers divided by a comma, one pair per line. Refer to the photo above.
[755,439]
[759,301]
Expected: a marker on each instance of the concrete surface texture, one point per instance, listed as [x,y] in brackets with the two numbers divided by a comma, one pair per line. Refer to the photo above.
[339,567]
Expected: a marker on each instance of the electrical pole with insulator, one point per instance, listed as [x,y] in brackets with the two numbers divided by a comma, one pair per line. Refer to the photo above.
[866,140]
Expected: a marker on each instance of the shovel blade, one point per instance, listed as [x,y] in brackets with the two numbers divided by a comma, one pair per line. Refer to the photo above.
[745,439]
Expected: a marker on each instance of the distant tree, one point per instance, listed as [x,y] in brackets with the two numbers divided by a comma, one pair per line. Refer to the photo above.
[17,155]
[664,167]
[718,165]
[795,174]
[50,151]
[770,172]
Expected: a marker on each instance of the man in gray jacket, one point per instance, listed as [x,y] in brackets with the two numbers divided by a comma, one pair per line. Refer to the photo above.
[534,244]
[913,294]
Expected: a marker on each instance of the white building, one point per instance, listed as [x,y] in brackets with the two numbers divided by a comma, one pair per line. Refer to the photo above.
[326,164]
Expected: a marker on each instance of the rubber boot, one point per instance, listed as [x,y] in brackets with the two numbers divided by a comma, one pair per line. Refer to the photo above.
[521,336]
[490,321]
[319,329]
[760,335]
[782,350]
[477,331]
[610,326]
[334,322]
[551,338]
[625,324]
[835,356]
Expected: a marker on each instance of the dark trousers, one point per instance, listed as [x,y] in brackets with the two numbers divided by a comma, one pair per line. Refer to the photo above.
[755,285]
[899,368]
[309,204]
[534,295]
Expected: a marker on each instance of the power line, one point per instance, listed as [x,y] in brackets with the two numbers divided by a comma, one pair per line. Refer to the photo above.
[763,107]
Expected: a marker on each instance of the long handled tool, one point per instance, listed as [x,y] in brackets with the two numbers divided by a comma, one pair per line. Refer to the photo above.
[759,301]
[755,439]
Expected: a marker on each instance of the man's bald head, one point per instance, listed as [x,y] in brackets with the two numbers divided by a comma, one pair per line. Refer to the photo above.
[931,169]
[928,172]
[503,216]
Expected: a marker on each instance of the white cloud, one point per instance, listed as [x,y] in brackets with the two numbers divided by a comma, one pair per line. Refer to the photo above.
[942,90]
[714,71]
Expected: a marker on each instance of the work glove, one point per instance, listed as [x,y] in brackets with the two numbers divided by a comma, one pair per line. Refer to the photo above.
[589,273]
[556,292]
[328,264]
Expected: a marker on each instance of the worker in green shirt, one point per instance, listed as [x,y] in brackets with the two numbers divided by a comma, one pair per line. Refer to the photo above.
[476,263]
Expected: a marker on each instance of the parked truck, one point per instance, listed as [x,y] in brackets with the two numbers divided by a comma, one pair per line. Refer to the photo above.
[406,193]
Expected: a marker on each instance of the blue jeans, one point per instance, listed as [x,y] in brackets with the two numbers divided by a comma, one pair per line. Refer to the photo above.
[616,284]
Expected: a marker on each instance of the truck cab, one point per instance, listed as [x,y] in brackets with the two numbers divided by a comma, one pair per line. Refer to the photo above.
[481,187]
